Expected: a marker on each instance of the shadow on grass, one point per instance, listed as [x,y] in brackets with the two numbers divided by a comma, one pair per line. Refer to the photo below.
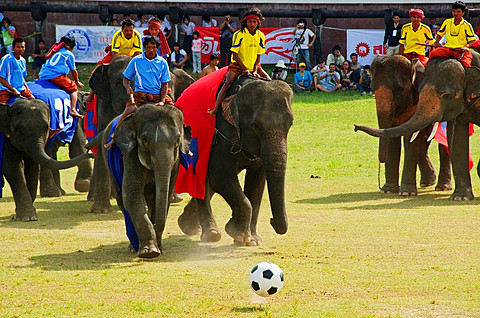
[248,309]
[179,248]
[61,215]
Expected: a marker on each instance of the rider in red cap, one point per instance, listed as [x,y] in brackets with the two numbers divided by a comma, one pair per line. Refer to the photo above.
[415,35]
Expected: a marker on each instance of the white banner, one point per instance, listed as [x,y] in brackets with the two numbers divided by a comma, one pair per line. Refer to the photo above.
[366,43]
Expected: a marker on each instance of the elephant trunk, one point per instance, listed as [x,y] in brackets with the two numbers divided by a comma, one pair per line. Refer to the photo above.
[37,152]
[274,157]
[385,112]
[162,169]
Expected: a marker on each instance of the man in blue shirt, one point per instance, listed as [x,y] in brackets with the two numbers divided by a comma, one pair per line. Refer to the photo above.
[331,80]
[13,70]
[151,80]
[303,80]
[58,66]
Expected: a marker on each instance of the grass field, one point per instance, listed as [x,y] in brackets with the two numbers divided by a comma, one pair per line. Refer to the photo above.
[349,251]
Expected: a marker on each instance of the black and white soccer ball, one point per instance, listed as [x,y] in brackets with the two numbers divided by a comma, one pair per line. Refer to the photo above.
[266,279]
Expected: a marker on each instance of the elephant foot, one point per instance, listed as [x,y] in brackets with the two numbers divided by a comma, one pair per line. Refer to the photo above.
[82,185]
[176,198]
[188,221]
[426,184]
[211,235]
[26,215]
[240,238]
[256,239]
[462,195]
[428,180]
[389,188]
[101,208]
[443,186]
[50,192]
[149,251]
[407,190]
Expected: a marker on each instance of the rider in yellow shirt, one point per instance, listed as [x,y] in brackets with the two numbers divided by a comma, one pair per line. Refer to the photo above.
[414,34]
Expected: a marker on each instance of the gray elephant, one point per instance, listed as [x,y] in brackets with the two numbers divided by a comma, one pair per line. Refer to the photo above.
[107,82]
[50,184]
[262,113]
[151,142]
[449,92]
[396,99]
[26,124]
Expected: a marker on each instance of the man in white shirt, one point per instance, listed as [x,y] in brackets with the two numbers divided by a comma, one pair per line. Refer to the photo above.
[304,39]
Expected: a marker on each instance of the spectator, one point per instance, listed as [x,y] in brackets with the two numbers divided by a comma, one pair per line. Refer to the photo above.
[126,16]
[431,22]
[318,70]
[393,31]
[58,66]
[414,33]
[142,22]
[336,58]
[280,71]
[208,22]
[331,79]
[365,81]
[154,30]
[14,68]
[8,35]
[179,57]
[346,74]
[197,46]
[187,29]
[356,67]
[39,57]
[114,22]
[212,67]
[165,26]
[127,40]
[227,28]
[303,80]
[304,39]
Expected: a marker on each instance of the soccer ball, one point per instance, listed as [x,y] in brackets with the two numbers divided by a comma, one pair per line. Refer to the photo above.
[266,279]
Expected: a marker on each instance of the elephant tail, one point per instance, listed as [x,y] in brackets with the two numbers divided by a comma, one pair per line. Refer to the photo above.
[97,140]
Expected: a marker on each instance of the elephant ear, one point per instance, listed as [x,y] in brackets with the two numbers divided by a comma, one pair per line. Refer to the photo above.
[472,89]
[187,139]
[125,136]
[418,74]
[100,83]
[4,119]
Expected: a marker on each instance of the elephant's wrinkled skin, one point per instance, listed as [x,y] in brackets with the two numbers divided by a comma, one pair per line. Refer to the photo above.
[107,82]
[26,124]
[50,184]
[449,92]
[150,141]
[396,100]
[262,112]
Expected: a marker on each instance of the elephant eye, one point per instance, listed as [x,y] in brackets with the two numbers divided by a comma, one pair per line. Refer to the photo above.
[445,95]
[256,127]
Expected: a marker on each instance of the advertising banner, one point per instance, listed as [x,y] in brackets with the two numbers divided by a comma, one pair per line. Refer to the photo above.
[366,43]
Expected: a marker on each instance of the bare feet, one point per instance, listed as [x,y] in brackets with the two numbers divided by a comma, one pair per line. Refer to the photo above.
[109,145]
[74,113]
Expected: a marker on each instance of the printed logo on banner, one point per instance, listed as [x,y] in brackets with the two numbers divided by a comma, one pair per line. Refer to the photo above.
[279,42]
[362,49]
[83,43]
[211,46]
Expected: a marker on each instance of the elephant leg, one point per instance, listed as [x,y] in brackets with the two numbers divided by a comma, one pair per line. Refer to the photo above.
[50,179]
[210,230]
[31,172]
[458,141]
[254,187]
[14,174]
[189,221]
[445,176]
[392,166]
[428,176]
[84,174]
[408,186]
[101,202]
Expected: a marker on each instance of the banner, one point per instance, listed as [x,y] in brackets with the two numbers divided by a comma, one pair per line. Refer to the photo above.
[366,43]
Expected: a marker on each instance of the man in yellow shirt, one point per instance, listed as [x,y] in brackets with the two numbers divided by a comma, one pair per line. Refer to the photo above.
[413,35]
[247,45]
[127,40]
[459,35]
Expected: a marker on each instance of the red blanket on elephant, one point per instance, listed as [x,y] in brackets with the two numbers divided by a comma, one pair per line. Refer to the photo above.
[194,103]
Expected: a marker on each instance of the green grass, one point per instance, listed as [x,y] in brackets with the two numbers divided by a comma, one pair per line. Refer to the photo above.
[349,251]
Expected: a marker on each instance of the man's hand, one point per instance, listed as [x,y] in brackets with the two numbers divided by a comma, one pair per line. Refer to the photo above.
[15,92]
[80,84]
[129,90]
[246,72]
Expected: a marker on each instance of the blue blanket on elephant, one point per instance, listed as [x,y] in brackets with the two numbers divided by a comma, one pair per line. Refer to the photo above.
[59,102]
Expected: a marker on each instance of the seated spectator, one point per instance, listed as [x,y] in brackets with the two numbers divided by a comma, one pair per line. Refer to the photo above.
[114,22]
[365,81]
[303,79]
[39,57]
[346,74]
[208,22]
[8,35]
[356,67]
[126,16]
[179,57]
[279,71]
[142,22]
[316,71]
[331,80]
[336,58]
[212,67]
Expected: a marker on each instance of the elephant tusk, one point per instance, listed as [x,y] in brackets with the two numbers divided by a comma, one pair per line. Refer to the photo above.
[414,135]
[434,131]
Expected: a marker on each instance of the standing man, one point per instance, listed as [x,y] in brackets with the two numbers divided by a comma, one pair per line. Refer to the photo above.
[13,70]
[304,39]
[227,28]
[414,37]
[459,35]
[127,40]
[393,31]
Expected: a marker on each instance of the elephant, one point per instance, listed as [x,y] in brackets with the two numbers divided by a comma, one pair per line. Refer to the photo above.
[26,125]
[50,185]
[107,82]
[449,92]
[151,142]
[396,99]
[256,141]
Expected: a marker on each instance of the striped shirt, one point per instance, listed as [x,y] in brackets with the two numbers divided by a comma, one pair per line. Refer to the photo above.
[248,46]
[456,35]
[410,38]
